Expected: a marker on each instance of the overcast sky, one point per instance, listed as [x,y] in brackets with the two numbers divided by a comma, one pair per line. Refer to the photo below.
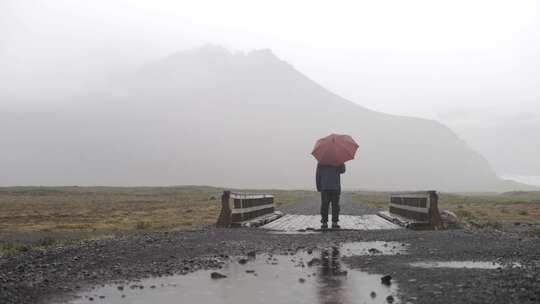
[474,65]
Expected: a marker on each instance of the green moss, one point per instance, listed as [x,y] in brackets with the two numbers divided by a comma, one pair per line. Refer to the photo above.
[534,231]
[8,249]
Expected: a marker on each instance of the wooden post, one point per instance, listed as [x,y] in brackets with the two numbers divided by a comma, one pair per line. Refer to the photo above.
[224,220]
[415,210]
[435,217]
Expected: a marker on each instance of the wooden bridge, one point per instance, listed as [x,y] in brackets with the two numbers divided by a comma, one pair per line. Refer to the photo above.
[410,209]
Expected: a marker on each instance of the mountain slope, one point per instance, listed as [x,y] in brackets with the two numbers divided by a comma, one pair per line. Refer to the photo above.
[208,116]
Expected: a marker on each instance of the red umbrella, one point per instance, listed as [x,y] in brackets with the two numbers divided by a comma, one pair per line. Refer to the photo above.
[334,149]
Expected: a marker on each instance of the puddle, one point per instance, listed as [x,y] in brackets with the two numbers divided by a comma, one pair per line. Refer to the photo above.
[295,232]
[462,264]
[373,248]
[316,276]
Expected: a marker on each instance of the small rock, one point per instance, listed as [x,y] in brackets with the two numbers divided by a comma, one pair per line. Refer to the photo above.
[373,294]
[250,271]
[242,261]
[449,219]
[102,297]
[374,251]
[314,262]
[302,280]
[153,286]
[386,280]
[390,299]
[217,275]
[251,254]
[120,287]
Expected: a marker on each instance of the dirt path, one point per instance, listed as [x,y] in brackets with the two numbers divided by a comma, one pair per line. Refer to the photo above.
[59,273]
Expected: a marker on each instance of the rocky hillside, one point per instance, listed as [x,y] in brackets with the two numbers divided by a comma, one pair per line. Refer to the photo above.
[209,116]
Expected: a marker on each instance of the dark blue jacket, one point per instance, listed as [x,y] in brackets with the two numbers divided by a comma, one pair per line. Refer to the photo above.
[329,177]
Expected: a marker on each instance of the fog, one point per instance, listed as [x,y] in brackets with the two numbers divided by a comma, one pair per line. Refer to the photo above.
[471,65]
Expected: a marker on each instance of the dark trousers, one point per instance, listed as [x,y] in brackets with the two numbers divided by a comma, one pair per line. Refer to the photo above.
[329,197]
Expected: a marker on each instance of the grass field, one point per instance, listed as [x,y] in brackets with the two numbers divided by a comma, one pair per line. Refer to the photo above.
[75,214]
[481,210]
[103,210]
[29,209]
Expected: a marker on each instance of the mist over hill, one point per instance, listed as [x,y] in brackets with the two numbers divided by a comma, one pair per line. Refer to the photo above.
[209,116]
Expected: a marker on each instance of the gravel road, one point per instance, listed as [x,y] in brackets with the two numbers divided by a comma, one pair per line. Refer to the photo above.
[58,273]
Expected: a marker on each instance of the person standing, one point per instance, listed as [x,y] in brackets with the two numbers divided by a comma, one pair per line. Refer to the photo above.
[328,180]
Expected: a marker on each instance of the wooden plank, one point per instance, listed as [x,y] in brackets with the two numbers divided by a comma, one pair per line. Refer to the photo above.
[245,203]
[411,208]
[249,196]
[251,209]
[295,222]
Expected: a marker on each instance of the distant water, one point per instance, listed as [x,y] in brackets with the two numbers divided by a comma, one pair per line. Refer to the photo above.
[525,179]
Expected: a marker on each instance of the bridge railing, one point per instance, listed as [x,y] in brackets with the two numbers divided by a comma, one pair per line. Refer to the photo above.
[416,210]
[242,209]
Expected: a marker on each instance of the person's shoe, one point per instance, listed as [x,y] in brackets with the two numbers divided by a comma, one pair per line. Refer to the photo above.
[335,226]
[324,226]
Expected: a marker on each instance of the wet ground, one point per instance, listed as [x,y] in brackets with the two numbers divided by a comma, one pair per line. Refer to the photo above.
[307,276]
[97,268]
[463,264]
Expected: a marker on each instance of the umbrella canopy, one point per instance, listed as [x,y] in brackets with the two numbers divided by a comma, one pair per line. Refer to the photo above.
[334,149]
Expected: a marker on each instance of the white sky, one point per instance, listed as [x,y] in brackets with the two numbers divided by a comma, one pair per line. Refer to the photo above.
[471,64]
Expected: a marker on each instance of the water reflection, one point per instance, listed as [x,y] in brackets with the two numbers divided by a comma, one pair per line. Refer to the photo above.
[463,264]
[305,277]
[331,278]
